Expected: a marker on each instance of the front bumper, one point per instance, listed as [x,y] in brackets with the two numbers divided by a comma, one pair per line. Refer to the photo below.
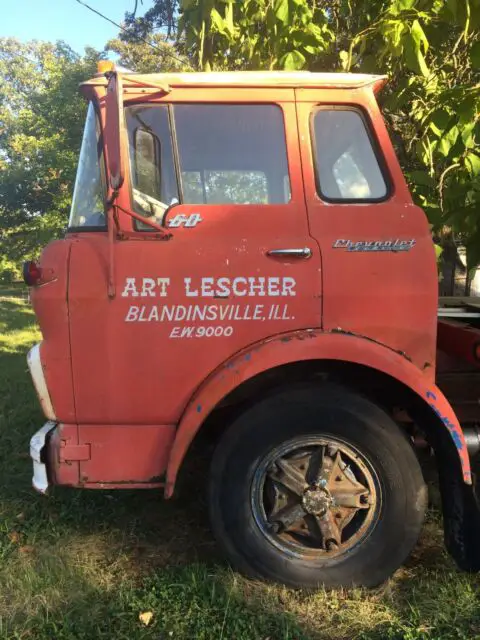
[34,361]
[37,447]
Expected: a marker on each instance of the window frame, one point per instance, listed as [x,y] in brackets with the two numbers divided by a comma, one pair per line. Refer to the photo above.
[177,160]
[374,143]
[167,106]
[103,176]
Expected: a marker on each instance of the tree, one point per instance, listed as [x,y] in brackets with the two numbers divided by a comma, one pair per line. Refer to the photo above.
[41,123]
[158,57]
[430,50]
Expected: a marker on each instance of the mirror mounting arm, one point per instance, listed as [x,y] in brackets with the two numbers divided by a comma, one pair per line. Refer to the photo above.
[158,227]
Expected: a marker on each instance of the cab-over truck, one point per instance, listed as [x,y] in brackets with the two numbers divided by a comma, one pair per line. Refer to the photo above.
[245,245]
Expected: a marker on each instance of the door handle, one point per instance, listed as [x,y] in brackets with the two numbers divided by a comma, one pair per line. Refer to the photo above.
[289,253]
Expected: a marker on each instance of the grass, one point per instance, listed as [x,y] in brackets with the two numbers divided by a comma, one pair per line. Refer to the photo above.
[85,565]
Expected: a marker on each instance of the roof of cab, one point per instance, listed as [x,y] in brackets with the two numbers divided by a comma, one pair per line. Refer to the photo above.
[248,79]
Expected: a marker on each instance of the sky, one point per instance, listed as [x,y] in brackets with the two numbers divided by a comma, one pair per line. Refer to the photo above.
[66,20]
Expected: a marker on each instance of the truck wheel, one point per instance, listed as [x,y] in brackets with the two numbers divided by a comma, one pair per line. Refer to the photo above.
[316,486]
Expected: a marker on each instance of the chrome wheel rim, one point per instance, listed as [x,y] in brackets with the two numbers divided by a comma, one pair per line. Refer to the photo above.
[315,496]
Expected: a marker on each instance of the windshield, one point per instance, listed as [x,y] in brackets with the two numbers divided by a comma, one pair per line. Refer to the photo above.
[88,198]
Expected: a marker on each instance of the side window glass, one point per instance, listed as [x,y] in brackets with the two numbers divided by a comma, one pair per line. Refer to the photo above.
[346,164]
[88,196]
[154,184]
[232,154]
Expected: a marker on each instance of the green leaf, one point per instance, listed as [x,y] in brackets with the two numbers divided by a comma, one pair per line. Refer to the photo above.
[472,162]
[344,57]
[292,60]
[439,121]
[270,19]
[422,178]
[281,11]
[419,35]
[444,147]
[467,110]
[467,134]
[217,21]
[404,5]
[422,65]
[452,135]
[452,6]
[229,17]
[413,56]
[475,55]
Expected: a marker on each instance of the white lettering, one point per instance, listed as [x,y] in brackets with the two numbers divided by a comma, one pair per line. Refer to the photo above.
[207,287]
[198,313]
[130,288]
[235,289]
[153,316]
[212,312]
[273,287]
[187,332]
[223,288]
[288,287]
[178,220]
[132,314]
[180,313]
[169,312]
[188,292]
[259,286]
[193,220]
[258,313]
[163,283]
[148,286]
[174,332]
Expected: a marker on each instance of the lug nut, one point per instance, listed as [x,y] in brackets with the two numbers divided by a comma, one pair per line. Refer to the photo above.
[275,527]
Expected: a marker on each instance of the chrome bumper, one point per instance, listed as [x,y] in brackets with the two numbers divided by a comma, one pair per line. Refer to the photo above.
[37,443]
[34,362]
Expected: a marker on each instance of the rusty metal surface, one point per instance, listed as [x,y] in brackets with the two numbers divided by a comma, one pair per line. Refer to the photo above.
[310,345]
[125,455]
[315,496]
[115,456]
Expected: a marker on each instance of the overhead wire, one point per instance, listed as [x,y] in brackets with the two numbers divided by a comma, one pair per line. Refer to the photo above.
[138,38]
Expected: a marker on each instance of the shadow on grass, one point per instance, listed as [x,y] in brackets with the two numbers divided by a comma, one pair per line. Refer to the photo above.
[188,603]
[15,316]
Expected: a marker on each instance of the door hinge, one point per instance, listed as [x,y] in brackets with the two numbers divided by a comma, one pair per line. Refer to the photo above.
[74,452]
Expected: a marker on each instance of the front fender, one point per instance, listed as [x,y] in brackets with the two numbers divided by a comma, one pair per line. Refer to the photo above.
[301,346]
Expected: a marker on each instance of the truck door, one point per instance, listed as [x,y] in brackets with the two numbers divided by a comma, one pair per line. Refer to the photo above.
[240,266]
[379,278]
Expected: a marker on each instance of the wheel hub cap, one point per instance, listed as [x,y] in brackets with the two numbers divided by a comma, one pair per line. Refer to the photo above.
[316,501]
[315,495]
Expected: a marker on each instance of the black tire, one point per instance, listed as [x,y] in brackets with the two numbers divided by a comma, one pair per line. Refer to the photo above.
[328,412]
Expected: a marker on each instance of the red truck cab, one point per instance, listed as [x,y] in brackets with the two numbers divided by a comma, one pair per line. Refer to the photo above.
[246,243]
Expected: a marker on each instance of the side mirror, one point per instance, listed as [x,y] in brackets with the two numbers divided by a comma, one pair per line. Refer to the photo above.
[147,161]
